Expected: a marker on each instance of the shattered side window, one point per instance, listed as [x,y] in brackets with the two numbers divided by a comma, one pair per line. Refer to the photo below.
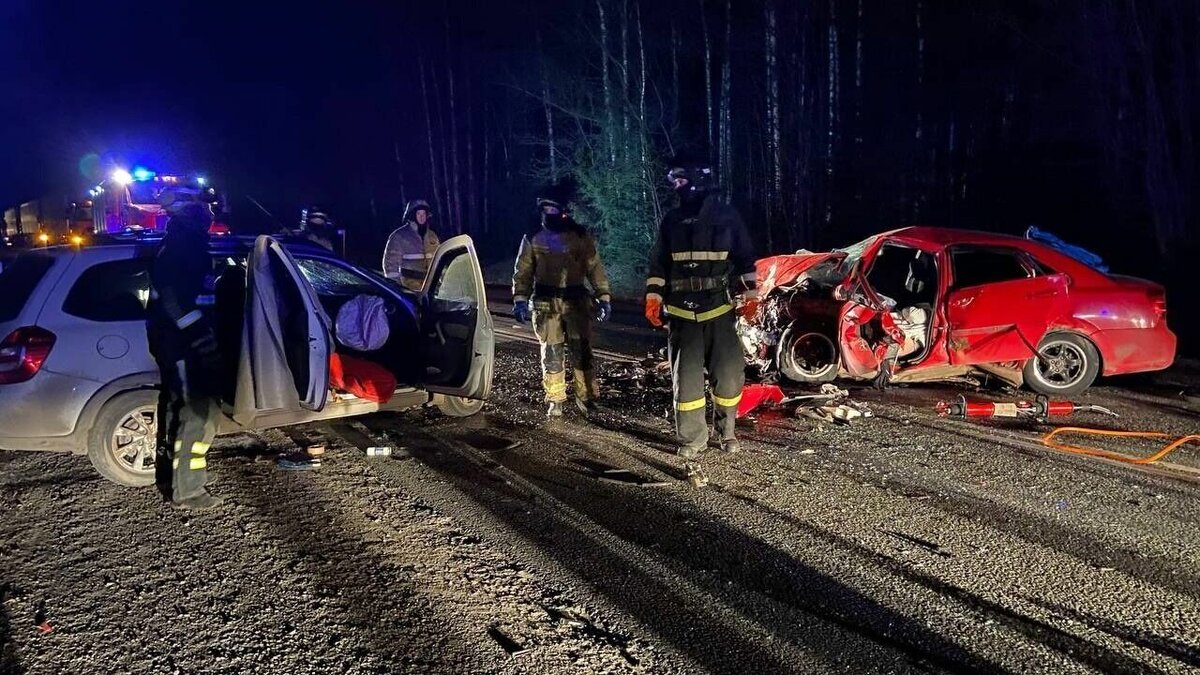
[854,252]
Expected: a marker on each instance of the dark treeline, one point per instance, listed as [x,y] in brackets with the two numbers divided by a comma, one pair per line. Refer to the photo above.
[827,119]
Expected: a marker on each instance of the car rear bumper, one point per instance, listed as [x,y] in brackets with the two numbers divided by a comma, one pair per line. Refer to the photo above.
[1136,350]
[43,413]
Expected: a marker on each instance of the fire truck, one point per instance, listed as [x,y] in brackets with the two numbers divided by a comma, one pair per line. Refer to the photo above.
[128,201]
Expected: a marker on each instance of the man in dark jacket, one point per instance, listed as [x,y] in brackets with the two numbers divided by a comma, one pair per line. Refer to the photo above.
[410,247]
[702,255]
[185,348]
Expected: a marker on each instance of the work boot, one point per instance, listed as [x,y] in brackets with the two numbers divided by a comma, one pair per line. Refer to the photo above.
[200,502]
[555,409]
[689,451]
[731,446]
[588,408]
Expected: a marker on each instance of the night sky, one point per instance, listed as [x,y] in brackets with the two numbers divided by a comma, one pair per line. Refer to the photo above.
[289,103]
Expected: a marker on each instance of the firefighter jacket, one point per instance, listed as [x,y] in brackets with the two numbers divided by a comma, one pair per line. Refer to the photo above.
[409,252]
[698,259]
[555,261]
[180,291]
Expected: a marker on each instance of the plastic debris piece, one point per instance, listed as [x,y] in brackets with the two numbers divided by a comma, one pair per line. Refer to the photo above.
[695,475]
[379,451]
[45,628]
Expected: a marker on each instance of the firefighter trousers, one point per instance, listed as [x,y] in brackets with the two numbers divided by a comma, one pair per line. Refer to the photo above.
[562,325]
[187,424]
[694,347]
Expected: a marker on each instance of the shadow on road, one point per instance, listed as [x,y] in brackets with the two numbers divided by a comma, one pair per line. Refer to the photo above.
[378,599]
[708,558]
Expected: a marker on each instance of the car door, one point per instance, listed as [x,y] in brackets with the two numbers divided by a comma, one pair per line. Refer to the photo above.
[999,306]
[457,335]
[286,341]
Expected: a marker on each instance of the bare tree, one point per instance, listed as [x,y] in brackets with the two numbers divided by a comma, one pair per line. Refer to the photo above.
[607,83]
[550,150]
[775,183]
[433,168]
[708,85]
[725,173]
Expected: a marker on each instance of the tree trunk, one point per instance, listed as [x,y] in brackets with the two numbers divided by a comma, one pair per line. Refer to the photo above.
[831,113]
[708,85]
[399,170]
[625,91]
[607,84]
[550,150]
[726,171]
[472,193]
[457,196]
[675,103]
[433,169]
[447,208]
[775,174]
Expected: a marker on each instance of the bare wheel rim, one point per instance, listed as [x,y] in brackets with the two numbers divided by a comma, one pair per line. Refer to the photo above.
[1061,364]
[811,354]
[134,438]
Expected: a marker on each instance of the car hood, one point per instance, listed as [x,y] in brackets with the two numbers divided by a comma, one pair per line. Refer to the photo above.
[783,270]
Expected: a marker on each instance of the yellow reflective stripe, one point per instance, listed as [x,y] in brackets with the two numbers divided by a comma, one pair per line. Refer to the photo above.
[700,255]
[656,281]
[727,402]
[702,316]
[197,463]
[200,448]
[556,387]
[684,406]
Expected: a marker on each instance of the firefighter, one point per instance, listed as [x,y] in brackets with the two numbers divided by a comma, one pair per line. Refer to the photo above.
[184,346]
[410,247]
[317,227]
[553,263]
[702,255]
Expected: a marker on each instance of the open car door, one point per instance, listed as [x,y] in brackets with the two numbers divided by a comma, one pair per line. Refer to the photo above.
[286,338]
[1003,321]
[458,340]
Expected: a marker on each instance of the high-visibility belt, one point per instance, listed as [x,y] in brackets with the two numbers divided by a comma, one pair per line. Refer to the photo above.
[727,402]
[699,255]
[698,316]
[188,319]
[684,406]
[696,284]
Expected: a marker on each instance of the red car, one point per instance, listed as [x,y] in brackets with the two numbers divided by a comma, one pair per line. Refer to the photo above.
[924,303]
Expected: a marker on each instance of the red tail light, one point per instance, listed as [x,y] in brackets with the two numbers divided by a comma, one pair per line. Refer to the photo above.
[1159,302]
[23,352]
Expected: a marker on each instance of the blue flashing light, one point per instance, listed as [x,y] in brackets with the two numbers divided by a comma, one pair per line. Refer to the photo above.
[201,181]
[142,173]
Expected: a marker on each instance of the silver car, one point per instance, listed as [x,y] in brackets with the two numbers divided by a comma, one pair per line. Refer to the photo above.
[76,374]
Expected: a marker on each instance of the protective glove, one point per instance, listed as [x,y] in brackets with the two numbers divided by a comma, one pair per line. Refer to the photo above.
[654,311]
[521,311]
[604,311]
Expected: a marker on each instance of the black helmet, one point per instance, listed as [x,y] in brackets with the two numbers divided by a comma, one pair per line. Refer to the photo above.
[699,176]
[410,209]
[543,202]
[315,218]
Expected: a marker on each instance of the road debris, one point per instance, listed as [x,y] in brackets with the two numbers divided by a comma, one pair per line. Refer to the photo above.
[1039,409]
[695,475]
[379,451]
[295,461]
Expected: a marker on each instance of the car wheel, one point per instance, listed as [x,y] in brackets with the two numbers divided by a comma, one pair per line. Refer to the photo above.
[122,441]
[1068,364]
[806,356]
[459,406]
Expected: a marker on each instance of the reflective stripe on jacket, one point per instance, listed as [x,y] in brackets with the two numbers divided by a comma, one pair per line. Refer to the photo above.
[698,260]
[556,263]
[408,253]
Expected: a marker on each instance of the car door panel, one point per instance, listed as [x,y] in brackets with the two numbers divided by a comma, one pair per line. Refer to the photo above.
[458,341]
[1003,321]
[286,341]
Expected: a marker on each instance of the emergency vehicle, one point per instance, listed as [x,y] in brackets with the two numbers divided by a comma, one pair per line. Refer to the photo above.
[129,201]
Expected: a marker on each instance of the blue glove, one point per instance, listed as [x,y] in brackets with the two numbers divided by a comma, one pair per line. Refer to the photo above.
[604,311]
[521,311]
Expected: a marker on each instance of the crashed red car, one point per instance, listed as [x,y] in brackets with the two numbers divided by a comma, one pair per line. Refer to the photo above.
[923,303]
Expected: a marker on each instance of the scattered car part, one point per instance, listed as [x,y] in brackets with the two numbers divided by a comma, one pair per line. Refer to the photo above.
[1038,409]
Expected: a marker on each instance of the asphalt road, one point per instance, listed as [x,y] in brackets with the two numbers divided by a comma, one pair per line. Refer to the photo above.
[505,543]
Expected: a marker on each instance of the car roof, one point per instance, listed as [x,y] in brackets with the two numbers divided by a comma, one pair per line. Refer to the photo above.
[946,236]
[225,244]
